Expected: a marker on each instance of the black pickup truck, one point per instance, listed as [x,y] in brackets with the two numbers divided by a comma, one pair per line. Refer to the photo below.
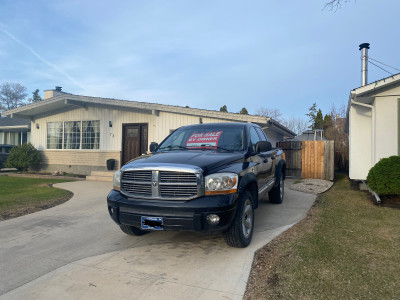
[205,178]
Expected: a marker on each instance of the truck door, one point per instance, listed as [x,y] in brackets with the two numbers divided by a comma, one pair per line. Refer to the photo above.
[259,160]
[269,158]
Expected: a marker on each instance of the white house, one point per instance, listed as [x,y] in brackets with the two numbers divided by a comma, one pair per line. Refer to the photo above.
[78,134]
[374,124]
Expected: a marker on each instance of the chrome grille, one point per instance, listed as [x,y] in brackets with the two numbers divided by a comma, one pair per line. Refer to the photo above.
[167,176]
[177,191]
[136,189]
[137,175]
[161,184]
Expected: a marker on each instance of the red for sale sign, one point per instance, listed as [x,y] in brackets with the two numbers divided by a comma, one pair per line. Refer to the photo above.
[204,140]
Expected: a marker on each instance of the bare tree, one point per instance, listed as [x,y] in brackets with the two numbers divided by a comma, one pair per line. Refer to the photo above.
[296,124]
[12,95]
[337,133]
[272,113]
[335,4]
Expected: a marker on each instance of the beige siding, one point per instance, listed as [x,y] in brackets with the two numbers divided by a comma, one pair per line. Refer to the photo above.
[360,137]
[111,137]
[385,127]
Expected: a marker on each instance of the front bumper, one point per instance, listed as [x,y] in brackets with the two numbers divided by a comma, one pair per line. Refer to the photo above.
[177,215]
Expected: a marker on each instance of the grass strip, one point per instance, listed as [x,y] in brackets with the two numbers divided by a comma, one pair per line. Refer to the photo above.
[346,248]
[19,195]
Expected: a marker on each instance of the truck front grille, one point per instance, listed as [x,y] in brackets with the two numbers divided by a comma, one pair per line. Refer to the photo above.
[156,184]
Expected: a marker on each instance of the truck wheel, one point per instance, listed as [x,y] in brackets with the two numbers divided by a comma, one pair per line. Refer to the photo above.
[276,194]
[241,231]
[132,230]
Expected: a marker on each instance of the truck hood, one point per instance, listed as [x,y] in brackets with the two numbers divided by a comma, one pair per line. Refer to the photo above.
[207,160]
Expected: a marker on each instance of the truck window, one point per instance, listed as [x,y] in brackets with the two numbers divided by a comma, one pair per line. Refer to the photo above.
[261,133]
[254,138]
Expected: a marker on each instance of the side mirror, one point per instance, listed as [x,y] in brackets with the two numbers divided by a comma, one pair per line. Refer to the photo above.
[153,146]
[263,146]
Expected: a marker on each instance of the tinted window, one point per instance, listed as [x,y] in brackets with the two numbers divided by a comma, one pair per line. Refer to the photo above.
[254,138]
[261,134]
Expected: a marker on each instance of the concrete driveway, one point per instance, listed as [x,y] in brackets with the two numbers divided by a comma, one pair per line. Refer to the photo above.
[75,251]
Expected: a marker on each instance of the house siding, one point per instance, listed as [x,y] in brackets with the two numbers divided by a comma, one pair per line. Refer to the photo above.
[111,137]
[398,126]
[360,137]
[386,131]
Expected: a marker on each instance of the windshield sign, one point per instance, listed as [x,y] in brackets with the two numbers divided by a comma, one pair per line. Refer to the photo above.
[204,140]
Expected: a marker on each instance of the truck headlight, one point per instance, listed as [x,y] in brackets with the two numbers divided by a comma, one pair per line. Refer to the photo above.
[221,183]
[117,181]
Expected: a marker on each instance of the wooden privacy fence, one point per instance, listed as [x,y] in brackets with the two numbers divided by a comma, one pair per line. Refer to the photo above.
[309,159]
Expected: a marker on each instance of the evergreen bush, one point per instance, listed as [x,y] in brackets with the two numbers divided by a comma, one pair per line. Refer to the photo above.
[384,177]
[22,157]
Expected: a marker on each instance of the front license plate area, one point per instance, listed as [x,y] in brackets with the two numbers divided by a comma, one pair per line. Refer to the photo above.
[152,223]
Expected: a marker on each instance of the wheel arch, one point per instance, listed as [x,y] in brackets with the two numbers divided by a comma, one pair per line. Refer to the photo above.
[249,182]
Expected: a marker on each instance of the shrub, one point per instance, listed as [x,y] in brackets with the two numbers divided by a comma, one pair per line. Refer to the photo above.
[22,157]
[384,177]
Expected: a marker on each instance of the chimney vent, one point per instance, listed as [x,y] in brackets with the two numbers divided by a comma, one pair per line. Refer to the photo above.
[364,63]
[58,88]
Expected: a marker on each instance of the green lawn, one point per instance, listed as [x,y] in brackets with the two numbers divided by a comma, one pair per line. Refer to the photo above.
[19,195]
[348,249]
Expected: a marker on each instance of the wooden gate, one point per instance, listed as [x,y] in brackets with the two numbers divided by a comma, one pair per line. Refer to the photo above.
[292,150]
[309,159]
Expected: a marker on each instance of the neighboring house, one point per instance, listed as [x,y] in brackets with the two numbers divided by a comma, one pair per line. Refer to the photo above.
[374,124]
[14,131]
[78,134]
[311,135]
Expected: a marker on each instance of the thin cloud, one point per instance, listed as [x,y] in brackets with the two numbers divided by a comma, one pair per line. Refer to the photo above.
[38,56]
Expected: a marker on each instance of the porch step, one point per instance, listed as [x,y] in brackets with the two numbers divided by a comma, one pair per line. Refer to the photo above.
[100,176]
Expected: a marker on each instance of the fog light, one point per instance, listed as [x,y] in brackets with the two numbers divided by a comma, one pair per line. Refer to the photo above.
[213,219]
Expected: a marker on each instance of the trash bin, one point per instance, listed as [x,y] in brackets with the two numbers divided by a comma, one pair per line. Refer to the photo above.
[110,164]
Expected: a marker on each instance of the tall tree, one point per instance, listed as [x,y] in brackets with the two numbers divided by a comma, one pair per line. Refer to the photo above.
[318,121]
[312,114]
[224,109]
[35,97]
[12,95]
[327,122]
[244,111]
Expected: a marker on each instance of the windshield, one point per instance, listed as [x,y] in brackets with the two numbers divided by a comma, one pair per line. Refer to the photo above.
[229,138]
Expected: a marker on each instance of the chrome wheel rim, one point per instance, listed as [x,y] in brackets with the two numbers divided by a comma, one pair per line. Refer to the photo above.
[247,219]
[281,188]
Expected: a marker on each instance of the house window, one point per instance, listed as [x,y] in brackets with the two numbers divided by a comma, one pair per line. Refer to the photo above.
[54,135]
[73,135]
[90,134]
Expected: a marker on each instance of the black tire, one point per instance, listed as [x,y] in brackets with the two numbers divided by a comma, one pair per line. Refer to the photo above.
[240,233]
[277,192]
[132,230]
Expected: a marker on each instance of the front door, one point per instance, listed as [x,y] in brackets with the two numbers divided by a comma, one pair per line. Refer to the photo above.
[134,141]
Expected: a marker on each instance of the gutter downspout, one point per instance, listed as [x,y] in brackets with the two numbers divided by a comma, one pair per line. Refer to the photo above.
[372,127]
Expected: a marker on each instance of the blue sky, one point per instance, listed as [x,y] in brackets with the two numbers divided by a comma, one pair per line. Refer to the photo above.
[204,54]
